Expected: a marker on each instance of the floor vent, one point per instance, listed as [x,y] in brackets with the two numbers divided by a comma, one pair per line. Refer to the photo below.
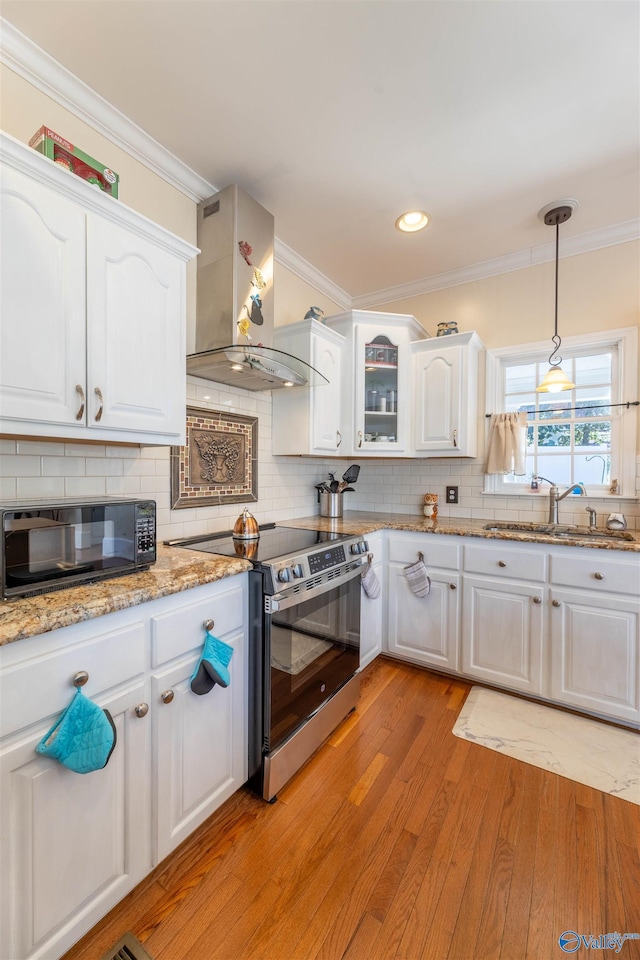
[127,948]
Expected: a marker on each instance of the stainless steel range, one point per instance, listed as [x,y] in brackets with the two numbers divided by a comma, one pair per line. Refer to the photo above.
[304,642]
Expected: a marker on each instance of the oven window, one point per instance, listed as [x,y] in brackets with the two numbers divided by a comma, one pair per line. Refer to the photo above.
[315,649]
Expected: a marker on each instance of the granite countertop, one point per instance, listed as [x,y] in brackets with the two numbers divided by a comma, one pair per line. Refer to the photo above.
[177,570]
[361,522]
[174,571]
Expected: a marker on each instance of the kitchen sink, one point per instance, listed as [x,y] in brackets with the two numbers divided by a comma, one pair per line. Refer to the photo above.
[562,531]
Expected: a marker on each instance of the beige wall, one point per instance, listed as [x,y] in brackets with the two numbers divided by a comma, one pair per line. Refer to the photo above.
[23,109]
[597,291]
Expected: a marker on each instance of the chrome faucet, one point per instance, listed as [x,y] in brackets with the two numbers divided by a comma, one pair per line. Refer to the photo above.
[555,498]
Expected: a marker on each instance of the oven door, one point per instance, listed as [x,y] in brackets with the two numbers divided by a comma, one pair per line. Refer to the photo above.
[313,639]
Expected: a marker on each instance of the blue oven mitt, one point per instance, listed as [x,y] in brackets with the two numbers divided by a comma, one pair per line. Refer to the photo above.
[212,667]
[83,737]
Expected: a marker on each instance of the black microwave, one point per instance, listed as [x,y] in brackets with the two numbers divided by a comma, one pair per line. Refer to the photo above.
[51,545]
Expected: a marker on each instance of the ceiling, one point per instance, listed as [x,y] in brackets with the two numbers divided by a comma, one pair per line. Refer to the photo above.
[339,115]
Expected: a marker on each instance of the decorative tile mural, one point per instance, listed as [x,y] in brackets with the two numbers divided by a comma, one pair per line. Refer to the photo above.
[219,462]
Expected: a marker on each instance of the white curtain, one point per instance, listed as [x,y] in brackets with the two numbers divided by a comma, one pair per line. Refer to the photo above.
[506,449]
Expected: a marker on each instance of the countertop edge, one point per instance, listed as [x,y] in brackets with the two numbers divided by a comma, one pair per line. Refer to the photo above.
[175,571]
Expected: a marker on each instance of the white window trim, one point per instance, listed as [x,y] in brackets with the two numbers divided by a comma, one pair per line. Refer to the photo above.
[626,341]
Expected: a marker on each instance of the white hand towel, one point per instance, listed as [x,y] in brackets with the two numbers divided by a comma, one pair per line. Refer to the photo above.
[417,578]
[370,582]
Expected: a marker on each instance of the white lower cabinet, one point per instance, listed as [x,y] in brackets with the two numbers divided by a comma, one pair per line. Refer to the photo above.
[502,633]
[372,610]
[558,623]
[424,629]
[594,652]
[71,845]
[594,633]
[199,741]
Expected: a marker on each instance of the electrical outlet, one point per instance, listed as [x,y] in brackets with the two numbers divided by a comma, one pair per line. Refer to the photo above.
[452,494]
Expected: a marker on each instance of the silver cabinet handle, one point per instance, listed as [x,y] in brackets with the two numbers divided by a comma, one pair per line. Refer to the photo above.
[455,438]
[537,599]
[98,393]
[141,710]
[167,696]
[208,625]
[80,413]
[501,563]
[80,678]
[453,586]
[599,576]
[339,438]
[555,603]
[360,440]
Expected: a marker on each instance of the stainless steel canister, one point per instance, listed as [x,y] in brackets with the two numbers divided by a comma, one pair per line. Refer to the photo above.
[330,504]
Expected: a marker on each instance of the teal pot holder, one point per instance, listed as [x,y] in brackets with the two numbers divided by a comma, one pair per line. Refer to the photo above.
[83,737]
[213,666]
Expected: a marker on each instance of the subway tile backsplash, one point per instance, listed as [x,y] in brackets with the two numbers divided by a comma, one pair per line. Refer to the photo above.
[31,469]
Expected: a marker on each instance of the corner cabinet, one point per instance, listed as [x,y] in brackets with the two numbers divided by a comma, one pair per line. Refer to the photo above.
[307,420]
[376,390]
[93,303]
[445,395]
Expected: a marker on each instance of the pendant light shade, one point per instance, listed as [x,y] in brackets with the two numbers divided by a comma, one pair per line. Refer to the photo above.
[555,379]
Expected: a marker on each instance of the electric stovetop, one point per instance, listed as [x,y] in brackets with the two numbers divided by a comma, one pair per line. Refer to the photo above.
[275,542]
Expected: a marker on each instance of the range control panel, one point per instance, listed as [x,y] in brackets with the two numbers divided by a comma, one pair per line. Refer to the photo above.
[326,559]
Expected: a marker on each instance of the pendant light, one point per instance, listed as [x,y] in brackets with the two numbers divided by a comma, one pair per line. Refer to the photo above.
[555,378]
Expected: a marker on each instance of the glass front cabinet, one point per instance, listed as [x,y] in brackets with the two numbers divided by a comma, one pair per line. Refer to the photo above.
[376,381]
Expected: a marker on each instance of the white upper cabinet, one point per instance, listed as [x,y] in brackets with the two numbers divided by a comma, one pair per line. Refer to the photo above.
[307,420]
[93,305]
[376,384]
[445,401]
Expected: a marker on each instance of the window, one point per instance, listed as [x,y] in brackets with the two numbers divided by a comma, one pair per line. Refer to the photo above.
[578,435]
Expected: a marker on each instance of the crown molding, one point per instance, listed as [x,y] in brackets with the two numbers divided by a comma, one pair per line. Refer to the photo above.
[33,64]
[305,271]
[572,247]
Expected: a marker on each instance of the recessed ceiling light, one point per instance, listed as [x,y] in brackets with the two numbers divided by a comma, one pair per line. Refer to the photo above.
[412,221]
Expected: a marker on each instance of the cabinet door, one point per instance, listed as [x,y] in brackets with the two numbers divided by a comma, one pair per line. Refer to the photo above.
[382,390]
[42,291]
[437,400]
[502,633]
[136,349]
[325,400]
[594,653]
[200,746]
[424,629]
[72,845]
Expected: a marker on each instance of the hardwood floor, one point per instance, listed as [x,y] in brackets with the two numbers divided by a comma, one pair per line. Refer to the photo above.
[396,840]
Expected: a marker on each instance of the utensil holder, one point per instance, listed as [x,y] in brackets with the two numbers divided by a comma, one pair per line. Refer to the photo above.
[330,504]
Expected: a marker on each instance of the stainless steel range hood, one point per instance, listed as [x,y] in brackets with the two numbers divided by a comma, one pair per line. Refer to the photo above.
[234,307]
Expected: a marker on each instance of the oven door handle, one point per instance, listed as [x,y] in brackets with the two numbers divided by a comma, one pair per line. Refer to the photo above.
[280,601]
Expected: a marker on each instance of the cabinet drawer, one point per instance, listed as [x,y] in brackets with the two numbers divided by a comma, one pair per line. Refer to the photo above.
[505,562]
[39,689]
[180,630]
[595,572]
[438,551]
